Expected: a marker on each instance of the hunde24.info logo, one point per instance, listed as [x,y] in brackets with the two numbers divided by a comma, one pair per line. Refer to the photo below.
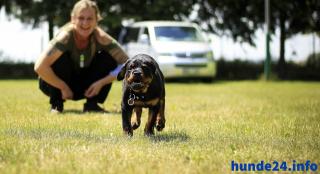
[275,166]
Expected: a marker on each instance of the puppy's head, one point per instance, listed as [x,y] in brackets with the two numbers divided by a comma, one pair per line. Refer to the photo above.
[138,72]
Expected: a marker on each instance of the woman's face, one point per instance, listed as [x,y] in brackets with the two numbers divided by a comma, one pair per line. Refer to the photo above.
[85,22]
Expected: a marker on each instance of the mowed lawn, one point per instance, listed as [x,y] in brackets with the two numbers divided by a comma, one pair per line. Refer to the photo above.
[208,127]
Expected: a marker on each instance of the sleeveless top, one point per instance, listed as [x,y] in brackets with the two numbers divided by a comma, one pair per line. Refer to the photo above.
[67,44]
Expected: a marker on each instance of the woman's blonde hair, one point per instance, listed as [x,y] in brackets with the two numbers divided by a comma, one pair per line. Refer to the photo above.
[82,4]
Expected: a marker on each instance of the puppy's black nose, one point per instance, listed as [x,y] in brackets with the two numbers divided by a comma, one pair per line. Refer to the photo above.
[137,74]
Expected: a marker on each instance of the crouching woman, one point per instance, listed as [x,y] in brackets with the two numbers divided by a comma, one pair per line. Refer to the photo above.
[80,62]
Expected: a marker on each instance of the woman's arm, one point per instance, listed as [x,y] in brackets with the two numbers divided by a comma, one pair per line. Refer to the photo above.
[111,45]
[116,52]
[43,68]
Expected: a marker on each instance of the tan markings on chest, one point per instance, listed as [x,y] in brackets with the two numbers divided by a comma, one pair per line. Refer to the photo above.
[152,102]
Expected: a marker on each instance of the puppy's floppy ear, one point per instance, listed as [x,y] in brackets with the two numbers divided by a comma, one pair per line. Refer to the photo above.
[150,62]
[122,72]
[152,67]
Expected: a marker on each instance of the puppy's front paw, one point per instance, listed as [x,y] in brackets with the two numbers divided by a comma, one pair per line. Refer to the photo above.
[149,133]
[135,124]
[160,124]
[128,132]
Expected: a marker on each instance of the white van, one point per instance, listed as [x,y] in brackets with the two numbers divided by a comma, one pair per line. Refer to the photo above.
[180,48]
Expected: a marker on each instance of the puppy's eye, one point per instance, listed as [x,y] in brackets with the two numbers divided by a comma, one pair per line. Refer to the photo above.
[132,66]
[146,68]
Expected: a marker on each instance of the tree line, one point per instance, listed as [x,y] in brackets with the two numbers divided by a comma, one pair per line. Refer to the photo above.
[239,19]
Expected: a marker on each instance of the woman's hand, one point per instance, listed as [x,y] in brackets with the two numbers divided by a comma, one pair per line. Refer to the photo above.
[94,89]
[66,93]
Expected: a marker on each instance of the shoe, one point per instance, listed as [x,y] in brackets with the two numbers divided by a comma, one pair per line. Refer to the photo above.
[57,109]
[93,107]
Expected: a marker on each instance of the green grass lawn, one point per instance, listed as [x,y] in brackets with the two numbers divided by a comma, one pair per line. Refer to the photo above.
[208,126]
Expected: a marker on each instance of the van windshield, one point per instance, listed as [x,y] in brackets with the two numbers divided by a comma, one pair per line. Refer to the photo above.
[177,33]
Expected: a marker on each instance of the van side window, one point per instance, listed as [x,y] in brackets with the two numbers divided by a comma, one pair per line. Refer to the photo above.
[131,35]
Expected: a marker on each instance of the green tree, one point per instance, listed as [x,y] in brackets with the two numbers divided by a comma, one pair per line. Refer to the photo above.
[238,19]
[293,17]
[241,18]
[57,12]
[36,12]
[114,12]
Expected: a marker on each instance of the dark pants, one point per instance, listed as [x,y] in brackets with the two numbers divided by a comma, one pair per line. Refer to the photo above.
[79,79]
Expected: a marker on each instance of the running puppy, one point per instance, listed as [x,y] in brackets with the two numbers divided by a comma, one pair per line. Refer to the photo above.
[143,86]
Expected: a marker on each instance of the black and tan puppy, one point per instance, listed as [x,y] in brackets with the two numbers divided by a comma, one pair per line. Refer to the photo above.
[143,86]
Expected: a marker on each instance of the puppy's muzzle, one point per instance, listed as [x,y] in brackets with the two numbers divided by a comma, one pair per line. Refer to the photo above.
[137,80]
[136,85]
[137,75]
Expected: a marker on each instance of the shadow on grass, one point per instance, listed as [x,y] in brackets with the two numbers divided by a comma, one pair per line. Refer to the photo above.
[80,112]
[88,136]
[170,137]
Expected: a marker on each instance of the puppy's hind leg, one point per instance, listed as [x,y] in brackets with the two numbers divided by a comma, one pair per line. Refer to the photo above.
[136,119]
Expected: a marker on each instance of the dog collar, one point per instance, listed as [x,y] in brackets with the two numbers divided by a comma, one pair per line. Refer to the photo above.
[133,97]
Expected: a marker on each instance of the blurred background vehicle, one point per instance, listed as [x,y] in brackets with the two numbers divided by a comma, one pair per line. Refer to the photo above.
[181,48]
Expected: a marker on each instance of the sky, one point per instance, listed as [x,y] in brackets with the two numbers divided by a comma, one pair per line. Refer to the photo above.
[21,42]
